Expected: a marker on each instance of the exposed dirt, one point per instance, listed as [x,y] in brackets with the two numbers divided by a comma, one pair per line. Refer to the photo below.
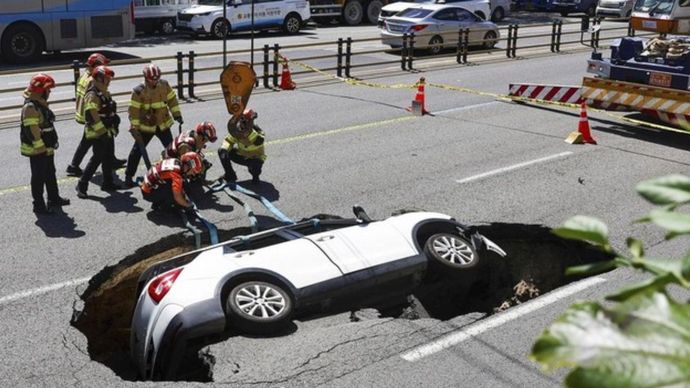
[535,265]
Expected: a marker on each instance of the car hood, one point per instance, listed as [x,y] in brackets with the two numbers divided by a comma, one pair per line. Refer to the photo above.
[199,9]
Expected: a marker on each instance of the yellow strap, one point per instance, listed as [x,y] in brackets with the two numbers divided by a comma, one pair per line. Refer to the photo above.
[134,104]
[29,121]
[38,143]
[171,95]
[175,109]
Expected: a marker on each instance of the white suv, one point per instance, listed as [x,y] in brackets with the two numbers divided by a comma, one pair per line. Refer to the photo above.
[207,16]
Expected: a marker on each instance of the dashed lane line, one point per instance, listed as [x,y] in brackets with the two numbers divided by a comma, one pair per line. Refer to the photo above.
[513,167]
[497,320]
[42,290]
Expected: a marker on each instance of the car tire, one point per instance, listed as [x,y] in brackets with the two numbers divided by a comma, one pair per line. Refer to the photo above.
[592,10]
[446,251]
[353,12]
[220,28]
[373,11]
[292,24]
[498,14]
[259,307]
[167,27]
[480,14]
[489,40]
[22,43]
[435,45]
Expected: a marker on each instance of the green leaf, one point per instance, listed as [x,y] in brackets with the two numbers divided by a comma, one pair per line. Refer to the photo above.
[643,342]
[685,267]
[635,247]
[591,269]
[584,228]
[656,283]
[674,222]
[670,189]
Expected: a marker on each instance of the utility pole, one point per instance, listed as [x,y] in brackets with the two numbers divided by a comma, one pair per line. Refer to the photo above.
[225,34]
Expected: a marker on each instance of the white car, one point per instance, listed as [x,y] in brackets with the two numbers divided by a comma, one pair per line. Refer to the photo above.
[481,8]
[206,18]
[157,15]
[619,9]
[257,283]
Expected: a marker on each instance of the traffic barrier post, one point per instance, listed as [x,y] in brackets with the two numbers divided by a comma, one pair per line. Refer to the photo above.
[348,56]
[465,44]
[191,74]
[276,60]
[75,71]
[403,53]
[265,77]
[410,51]
[558,36]
[180,75]
[515,36]
[339,70]
[509,40]
[553,37]
[631,30]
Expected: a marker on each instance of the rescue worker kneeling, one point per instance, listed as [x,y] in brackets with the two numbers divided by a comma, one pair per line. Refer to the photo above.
[194,140]
[244,145]
[163,184]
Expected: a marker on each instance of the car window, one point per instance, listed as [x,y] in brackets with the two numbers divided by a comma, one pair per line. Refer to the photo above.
[466,16]
[414,13]
[446,14]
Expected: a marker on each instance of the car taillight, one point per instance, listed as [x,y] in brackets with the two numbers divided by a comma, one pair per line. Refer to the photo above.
[161,284]
[418,27]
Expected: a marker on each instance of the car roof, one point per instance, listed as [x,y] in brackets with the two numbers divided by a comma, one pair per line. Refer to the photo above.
[435,7]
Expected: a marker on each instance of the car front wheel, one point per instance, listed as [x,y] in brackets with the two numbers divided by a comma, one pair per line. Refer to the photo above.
[259,307]
[447,251]
[292,24]
[435,45]
[489,40]
[220,28]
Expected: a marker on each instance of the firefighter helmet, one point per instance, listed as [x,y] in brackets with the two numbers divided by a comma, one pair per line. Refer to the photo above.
[152,72]
[41,82]
[193,161]
[207,130]
[102,72]
[249,114]
[97,59]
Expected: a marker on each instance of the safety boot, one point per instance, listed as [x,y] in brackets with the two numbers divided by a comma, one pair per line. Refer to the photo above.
[74,170]
[119,163]
[111,186]
[81,190]
[129,182]
[58,202]
[41,208]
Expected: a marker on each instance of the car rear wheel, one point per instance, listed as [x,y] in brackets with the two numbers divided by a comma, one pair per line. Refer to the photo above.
[167,26]
[259,307]
[292,24]
[220,28]
[373,11]
[498,14]
[489,40]
[353,12]
[435,45]
[446,251]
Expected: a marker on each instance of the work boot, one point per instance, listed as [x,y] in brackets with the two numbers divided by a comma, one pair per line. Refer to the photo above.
[58,202]
[81,190]
[40,208]
[119,163]
[129,182]
[111,186]
[74,170]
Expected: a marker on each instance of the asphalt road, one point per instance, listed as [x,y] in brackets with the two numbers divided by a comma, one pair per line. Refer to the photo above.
[330,147]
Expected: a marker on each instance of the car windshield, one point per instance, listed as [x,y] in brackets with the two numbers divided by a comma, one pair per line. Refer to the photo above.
[654,7]
[413,13]
[210,2]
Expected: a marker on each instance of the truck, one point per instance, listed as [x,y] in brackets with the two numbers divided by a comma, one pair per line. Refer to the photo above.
[650,76]
[564,7]
[350,12]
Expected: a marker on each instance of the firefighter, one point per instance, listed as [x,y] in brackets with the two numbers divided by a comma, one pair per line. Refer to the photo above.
[244,145]
[150,107]
[102,125]
[92,62]
[163,183]
[39,142]
[194,140]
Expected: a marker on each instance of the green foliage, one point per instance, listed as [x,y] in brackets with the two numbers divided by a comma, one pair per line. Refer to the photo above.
[642,339]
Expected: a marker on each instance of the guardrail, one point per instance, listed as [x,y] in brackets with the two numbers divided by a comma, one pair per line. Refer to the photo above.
[344,58]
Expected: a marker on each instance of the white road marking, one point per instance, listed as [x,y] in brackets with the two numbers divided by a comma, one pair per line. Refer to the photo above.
[513,167]
[42,290]
[497,320]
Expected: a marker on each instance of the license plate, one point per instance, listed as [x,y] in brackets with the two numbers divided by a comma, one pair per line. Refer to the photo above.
[660,79]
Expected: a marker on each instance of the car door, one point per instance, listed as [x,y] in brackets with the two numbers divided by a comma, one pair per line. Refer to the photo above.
[469,20]
[273,12]
[240,14]
[364,246]
[448,26]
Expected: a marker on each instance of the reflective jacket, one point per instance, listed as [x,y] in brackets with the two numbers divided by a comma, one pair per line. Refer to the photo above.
[37,134]
[181,144]
[82,85]
[166,171]
[250,146]
[149,106]
[100,112]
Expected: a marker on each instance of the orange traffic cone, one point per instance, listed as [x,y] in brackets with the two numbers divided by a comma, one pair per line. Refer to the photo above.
[286,82]
[582,135]
[418,107]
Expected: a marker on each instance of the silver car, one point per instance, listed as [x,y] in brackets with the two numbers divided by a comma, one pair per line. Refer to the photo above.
[436,26]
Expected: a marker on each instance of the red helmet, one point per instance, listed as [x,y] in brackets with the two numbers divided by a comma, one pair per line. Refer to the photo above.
[249,114]
[101,72]
[193,161]
[41,82]
[97,59]
[152,72]
[207,130]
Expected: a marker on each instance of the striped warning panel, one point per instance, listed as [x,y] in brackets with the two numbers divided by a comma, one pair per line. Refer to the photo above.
[636,96]
[564,94]
[680,121]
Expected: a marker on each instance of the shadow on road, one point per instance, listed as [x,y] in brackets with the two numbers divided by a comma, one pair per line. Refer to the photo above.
[59,224]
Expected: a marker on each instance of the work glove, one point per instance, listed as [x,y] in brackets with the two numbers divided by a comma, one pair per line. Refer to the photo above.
[179,120]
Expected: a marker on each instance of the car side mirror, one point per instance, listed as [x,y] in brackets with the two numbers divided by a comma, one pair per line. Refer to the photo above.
[361,214]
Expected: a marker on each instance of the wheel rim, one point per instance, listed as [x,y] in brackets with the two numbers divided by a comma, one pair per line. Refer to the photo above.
[293,25]
[260,301]
[435,46]
[167,28]
[453,250]
[220,29]
[22,45]
[353,13]
[489,40]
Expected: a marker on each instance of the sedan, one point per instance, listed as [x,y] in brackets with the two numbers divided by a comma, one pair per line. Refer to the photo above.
[481,8]
[436,26]
[257,283]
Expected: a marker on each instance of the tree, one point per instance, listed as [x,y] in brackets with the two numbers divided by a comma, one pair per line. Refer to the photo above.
[642,337]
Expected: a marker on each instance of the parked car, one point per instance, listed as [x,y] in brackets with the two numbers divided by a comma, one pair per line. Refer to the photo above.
[481,8]
[158,15]
[566,7]
[206,18]
[257,283]
[620,9]
[436,26]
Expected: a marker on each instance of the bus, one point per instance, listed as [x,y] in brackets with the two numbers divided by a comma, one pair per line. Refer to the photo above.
[30,27]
